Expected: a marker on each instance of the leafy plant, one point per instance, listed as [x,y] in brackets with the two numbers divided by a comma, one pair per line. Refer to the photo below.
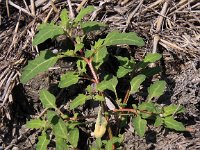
[90,62]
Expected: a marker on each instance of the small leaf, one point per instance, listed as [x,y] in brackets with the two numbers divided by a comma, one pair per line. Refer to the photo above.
[59,127]
[92,26]
[109,145]
[74,137]
[98,43]
[122,71]
[61,144]
[136,82]
[64,18]
[47,99]
[84,12]
[117,38]
[36,124]
[68,79]
[42,63]
[171,109]
[158,121]
[78,47]
[50,115]
[152,57]
[140,125]
[78,101]
[100,125]
[149,72]
[100,56]
[47,31]
[98,143]
[43,141]
[109,83]
[147,106]
[173,124]
[156,89]
[81,65]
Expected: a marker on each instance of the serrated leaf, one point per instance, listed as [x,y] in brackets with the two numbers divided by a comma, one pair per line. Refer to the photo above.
[109,145]
[158,122]
[173,124]
[59,127]
[140,125]
[74,137]
[79,46]
[147,106]
[46,32]
[136,82]
[68,79]
[100,56]
[98,43]
[43,141]
[64,18]
[117,38]
[108,83]
[36,124]
[156,89]
[48,100]
[78,101]
[171,109]
[84,12]
[42,63]
[92,26]
[152,57]
[61,144]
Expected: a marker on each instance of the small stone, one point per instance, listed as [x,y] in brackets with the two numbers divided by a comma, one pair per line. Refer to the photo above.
[15,148]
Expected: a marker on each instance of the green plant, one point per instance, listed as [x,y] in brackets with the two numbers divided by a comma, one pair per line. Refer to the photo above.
[89,63]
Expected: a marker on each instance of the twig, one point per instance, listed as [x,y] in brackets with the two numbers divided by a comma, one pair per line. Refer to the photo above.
[81,5]
[71,14]
[53,6]
[47,17]
[19,8]
[7,8]
[153,5]
[33,7]
[132,14]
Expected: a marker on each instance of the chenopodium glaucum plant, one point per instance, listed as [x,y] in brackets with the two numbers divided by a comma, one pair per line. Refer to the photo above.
[89,63]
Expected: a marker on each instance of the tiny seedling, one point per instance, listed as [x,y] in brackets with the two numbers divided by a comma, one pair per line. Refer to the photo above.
[89,62]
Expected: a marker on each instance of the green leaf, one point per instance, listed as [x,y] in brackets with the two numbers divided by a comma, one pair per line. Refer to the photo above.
[92,26]
[64,19]
[147,106]
[84,12]
[136,82]
[100,56]
[156,89]
[43,141]
[47,99]
[42,63]
[173,124]
[81,65]
[73,137]
[98,43]
[109,145]
[79,46]
[158,122]
[152,57]
[50,115]
[61,144]
[149,72]
[98,143]
[171,109]
[140,125]
[36,124]
[117,38]
[68,79]
[59,127]
[47,31]
[78,101]
[122,71]
[108,83]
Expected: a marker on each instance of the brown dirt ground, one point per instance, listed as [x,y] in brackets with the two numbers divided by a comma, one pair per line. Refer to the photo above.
[170,27]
